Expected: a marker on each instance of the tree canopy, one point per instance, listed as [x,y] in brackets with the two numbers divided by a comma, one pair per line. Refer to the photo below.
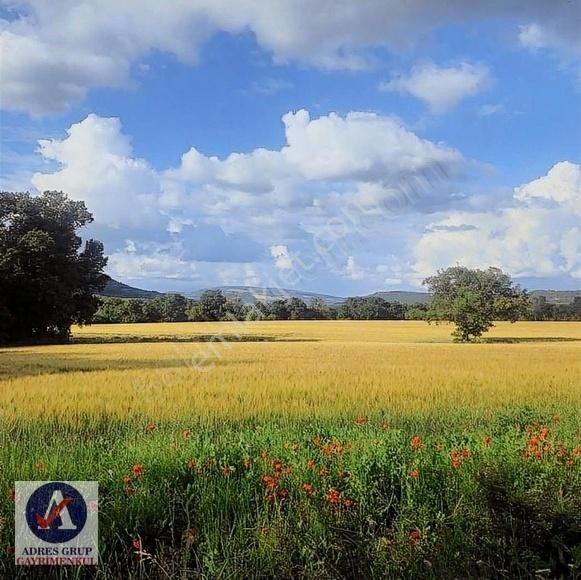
[473,299]
[48,280]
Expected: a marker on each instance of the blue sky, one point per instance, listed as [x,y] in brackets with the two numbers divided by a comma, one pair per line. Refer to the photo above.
[342,149]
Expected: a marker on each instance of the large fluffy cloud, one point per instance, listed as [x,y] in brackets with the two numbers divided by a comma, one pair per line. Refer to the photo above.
[95,163]
[536,236]
[245,207]
[54,52]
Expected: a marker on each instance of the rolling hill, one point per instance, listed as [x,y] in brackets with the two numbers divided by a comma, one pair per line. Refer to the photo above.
[252,294]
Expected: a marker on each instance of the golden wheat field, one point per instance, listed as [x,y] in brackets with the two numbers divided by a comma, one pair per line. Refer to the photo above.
[301,369]
[308,449]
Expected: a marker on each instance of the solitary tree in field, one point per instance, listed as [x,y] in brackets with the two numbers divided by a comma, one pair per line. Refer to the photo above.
[473,299]
[47,282]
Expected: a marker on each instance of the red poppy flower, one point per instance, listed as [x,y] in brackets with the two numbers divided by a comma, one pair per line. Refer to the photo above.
[360,420]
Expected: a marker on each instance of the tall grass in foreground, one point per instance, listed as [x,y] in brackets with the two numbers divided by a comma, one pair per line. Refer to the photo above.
[376,497]
[328,459]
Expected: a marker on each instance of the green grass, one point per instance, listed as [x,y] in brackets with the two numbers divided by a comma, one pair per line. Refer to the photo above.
[496,515]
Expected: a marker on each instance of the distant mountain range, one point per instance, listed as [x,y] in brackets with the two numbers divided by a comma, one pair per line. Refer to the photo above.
[119,290]
[251,294]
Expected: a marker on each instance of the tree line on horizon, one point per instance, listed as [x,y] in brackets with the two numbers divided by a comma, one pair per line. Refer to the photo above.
[214,306]
[49,281]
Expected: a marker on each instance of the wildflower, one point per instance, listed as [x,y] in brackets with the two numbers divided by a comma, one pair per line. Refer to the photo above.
[577,452]
[190,536]
[277,465]
[385,426]
[40,467]
[333,496]
[455,459]
[138,549]
[128,486]
[136,544]
[414,473]
[316,440]
[569,461]
[186,433]
[416,442]
[282,494]
[150,427]
[309,488]
[226,471]
[11,494]
[269,481]
[344,474]
[415,536]
[360,420]
[310,464]
[348,503]
[247,464]
[465,453]
[137,470]
[323,472]
[270,498]
[486,440]
[335,448]
[191,464]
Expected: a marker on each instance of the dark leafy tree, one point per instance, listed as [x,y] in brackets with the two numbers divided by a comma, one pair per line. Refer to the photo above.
[279,310]
[319,309]
[212,305]
[172,307]
[473,299]
[47,283]
[297,309]
[234,309]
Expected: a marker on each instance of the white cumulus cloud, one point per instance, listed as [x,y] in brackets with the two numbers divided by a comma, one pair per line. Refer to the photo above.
[441,88]
[528,238]
[244,206]
[54,52]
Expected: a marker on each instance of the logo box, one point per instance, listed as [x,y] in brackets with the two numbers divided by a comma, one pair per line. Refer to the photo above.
[56,523]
